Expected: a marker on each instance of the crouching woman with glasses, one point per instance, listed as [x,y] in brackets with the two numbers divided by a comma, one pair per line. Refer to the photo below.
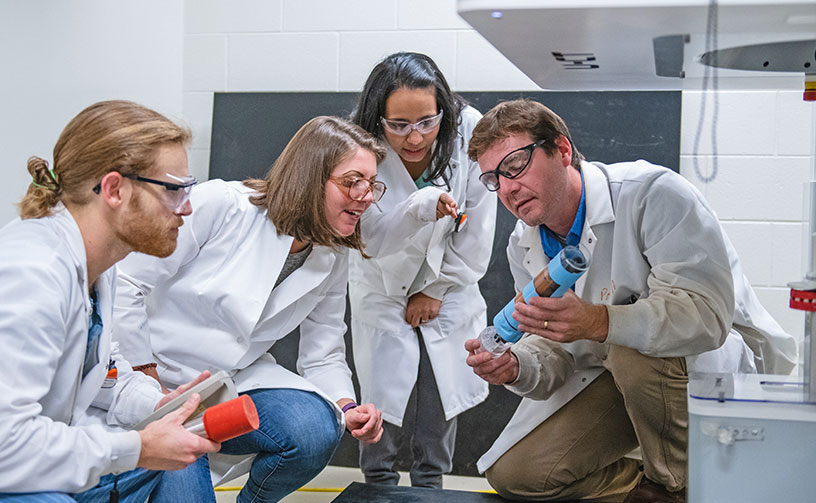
[416,301]
[255,261]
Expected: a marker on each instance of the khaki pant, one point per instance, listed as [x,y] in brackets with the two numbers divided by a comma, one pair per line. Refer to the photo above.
[578,452]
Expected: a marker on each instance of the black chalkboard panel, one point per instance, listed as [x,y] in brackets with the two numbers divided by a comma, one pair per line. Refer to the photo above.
[251,129]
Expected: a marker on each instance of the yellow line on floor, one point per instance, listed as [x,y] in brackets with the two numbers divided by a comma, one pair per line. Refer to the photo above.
[327,489]
[304,489]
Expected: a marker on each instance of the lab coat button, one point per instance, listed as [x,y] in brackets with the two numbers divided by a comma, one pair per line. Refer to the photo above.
[603,358]
[403,288]
[589,240]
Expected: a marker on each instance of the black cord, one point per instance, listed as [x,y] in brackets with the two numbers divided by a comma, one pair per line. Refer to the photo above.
[709,72]
[114,494]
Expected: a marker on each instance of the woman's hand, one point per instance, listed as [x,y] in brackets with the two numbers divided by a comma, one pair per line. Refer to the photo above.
[420,309]
[446,206]
[364,422]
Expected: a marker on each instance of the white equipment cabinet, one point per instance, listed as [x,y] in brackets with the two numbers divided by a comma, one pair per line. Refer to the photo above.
[751,439]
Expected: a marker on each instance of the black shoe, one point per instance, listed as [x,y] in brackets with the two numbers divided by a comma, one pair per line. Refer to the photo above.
[651,492]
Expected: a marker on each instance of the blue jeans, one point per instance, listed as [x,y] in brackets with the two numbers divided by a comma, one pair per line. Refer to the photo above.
[193,485]
[296,439]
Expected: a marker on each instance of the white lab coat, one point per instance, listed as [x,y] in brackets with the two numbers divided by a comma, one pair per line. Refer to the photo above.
[413,252]
[661,258]
[210,305]
[58,430]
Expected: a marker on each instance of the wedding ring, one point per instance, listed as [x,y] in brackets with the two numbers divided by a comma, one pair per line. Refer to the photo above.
[545,324]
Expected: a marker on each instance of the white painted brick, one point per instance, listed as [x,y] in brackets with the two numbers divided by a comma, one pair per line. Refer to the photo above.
[283,62]
[789,253]
[198,160]
[481,67]
[751,240]
[360,51]
[334,15]
[753,188]
[233,16]
[795,128]
[205,61]
[745,123]
[198,108]
[776,302]
[429,15]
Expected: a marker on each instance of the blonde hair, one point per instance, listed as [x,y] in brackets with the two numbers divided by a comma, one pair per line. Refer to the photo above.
[107,136]
[294,190]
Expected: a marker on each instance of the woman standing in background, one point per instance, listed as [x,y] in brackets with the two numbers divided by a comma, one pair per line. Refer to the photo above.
[416,301]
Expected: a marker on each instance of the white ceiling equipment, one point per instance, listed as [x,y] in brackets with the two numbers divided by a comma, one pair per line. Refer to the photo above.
[648,44]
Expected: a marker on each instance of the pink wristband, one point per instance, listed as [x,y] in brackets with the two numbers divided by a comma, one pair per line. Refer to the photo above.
[348,407]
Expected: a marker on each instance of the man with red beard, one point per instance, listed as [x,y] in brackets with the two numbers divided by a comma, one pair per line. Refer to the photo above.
[119,184]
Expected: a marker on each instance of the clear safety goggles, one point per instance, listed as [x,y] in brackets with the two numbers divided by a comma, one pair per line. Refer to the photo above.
[176,194]
[404,128]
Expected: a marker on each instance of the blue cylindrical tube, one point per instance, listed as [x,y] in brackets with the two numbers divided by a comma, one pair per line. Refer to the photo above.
[560,274]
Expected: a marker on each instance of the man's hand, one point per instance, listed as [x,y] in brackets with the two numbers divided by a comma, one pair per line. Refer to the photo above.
[421,308]
[564,319]
[446,206]
[166,445]
[169,395]
[364,422]
[502,370]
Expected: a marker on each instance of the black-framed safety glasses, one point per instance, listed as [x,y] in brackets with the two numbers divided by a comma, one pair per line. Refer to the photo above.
[511,166]
[178,191]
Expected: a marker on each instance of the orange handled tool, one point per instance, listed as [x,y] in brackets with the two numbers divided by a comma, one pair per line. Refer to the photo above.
[226,420]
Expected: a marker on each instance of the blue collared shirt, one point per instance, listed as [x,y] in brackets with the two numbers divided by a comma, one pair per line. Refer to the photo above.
[552,243]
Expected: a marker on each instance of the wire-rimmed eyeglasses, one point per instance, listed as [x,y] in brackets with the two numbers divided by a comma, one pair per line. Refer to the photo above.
[357,188]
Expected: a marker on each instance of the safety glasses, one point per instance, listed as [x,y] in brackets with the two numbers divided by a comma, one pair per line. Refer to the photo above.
[176,194]
[404,128]
[511,166]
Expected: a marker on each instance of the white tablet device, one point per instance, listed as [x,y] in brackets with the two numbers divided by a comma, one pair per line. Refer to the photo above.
[215,389]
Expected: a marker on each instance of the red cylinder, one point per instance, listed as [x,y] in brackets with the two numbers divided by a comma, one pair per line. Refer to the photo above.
[231,419]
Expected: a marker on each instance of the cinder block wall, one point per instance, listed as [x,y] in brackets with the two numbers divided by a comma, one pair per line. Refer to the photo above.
[58,56]
[764,137]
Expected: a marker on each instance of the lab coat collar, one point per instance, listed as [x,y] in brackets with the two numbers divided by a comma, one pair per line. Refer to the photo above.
[396,177]
[599,211]
[309,276]
[599,207]
[67,227]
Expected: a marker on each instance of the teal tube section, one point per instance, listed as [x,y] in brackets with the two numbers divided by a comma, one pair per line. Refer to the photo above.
[563,270]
